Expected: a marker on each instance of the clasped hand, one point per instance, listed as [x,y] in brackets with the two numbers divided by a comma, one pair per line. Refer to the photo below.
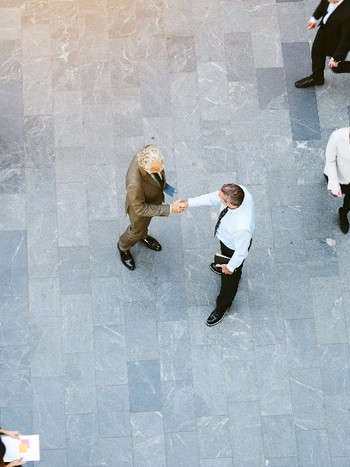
[179,205]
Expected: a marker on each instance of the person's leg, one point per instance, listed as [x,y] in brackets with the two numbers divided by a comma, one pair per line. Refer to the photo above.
[137,230]
[318,56]
[343,211]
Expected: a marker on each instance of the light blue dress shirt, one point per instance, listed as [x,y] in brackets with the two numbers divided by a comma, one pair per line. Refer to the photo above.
[236,227]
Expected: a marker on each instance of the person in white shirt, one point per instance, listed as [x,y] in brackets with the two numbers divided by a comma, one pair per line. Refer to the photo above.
[337,171]
[234,229]
[332,40]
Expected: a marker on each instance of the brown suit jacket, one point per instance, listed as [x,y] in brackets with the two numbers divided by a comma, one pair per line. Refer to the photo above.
[144,194]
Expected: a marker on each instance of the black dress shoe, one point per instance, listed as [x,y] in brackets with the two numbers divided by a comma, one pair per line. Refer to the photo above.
[213,267]
[152,243]
[343,221]
[308,82]
[216,317]
[126,258]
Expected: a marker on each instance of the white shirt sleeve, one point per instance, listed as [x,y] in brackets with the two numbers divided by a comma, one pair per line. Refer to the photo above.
[242,241]
[210,199]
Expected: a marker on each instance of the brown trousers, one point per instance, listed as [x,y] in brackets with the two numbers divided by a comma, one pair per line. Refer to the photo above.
[137,230]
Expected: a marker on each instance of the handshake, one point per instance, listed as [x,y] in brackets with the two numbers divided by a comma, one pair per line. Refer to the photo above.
[179,205]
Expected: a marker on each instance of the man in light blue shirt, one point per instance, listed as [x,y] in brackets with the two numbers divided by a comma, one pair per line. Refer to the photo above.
[234,229]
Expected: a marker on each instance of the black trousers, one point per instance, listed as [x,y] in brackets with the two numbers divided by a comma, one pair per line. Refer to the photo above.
[229,282]
[345,189]
[319,53]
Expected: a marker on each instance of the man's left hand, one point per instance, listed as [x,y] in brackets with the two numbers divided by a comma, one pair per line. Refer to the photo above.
[224,269]
[332,63]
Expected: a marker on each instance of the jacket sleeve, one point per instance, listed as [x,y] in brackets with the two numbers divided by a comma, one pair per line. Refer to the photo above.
[320,10]
[142,209]
[344,42]
[331,164]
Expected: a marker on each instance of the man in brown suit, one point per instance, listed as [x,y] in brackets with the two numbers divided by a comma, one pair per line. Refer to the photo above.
[145,182]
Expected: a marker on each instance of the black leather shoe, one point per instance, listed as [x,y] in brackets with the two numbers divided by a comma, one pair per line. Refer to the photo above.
[308,82]
[152,243]
[343,221]
[216,317]
[126,258]
[213,267]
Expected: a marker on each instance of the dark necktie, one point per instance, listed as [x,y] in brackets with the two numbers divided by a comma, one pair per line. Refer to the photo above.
[221,215]
[158,178]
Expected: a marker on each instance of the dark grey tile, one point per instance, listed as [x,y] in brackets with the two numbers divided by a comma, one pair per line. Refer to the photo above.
[304,115]
[13,263]
[144,386]
[11,118]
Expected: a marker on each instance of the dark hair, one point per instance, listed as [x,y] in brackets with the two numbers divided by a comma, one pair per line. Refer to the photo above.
[233,194]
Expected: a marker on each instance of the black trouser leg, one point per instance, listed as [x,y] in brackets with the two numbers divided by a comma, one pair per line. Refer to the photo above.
[318,55]
[346,203]
[229,283]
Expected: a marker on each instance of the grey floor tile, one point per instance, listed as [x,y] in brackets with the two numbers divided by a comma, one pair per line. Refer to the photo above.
[182,449]
[313,448]
[279,439]
[301,343]
[41,190]
[334,367]
[148,439]
[114,411]
[178,407]
[174,349]
[307,399]
[213,434]
[144,384]
[74,270]
[77,329]
[13,260]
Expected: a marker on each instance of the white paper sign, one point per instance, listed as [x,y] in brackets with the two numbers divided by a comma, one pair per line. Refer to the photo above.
[27,447]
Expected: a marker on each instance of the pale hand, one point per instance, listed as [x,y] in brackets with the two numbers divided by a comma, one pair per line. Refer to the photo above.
[332,63]
[12,434]
[224,269]
[337,193]
[178,207]
[311,25]
[16,462]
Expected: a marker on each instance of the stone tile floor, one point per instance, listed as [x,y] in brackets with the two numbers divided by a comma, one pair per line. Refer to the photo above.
[117,368]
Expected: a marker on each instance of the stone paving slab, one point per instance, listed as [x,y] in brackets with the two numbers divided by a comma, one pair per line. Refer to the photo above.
[117,368]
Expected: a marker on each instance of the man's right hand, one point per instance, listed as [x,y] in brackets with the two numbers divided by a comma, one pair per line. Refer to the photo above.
[337,193]
[311,25]
[179,206]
